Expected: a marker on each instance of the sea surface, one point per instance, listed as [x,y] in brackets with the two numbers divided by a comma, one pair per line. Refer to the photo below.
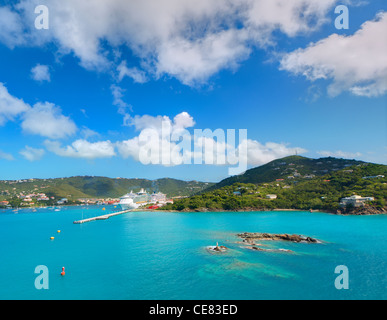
[163,255]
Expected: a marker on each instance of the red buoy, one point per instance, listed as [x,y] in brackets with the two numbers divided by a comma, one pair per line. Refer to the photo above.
[63,271]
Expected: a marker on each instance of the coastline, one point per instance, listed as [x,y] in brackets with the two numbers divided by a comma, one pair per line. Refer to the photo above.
[368,211]
[360,211]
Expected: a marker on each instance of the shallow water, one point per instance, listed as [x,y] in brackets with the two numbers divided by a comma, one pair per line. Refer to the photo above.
[161,255]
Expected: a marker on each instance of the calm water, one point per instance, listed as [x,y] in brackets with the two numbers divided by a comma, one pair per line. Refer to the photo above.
[162,256]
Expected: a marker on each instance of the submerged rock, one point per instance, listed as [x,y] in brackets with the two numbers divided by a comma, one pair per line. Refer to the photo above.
[269,250]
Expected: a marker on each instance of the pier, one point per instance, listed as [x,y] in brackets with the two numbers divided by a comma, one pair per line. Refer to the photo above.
[103,217]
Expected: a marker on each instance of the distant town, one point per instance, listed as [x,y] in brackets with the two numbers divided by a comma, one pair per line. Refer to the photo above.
[21,200]
[91,190]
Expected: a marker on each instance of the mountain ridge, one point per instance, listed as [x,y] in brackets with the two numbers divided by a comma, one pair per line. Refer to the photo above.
[284,167]
[77,187]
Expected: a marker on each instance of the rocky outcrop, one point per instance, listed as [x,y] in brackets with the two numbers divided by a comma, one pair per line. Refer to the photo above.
[217,248]
[220,248]
[252,237]
[362,211]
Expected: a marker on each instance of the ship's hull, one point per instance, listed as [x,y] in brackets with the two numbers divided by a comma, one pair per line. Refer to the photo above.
[128,204]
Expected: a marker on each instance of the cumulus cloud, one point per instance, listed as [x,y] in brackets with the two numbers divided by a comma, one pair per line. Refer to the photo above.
[32,154]
[155,144]
[194,62]
[291,17]
[44,119]
[10,106]
[181,121]
[188,40]
[41,73]
[355,63]
[11,27]
[258,153]
[168,142]
[82,149]
[47,120]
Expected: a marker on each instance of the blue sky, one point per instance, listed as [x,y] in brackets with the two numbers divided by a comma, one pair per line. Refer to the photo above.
[75,98]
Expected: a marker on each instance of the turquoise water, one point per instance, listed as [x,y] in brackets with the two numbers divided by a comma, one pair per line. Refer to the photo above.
[159,255]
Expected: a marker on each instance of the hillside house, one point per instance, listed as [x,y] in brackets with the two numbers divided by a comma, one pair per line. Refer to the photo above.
[355,200]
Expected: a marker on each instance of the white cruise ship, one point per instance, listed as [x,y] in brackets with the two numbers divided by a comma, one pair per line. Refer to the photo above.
[134,200]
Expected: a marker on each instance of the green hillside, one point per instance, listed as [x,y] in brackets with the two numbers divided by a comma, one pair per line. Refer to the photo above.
[302,187]
[97,187]
[288,166]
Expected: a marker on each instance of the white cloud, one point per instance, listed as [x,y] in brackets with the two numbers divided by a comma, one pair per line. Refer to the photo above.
[291,17]
[6,156]
[137,75]
[181,121]
[32,154]
[10,107]
[87,133]
[189,40]
[123,107]
[356,63]
[82,149]
[258,153]
[129,148]
[150,122]
[41,73]
[156,134]
[11,27]
[340,154]
[43,119]
[47,120]
[194,62]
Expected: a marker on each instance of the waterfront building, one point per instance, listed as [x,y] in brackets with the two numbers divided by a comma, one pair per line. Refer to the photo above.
[355,200]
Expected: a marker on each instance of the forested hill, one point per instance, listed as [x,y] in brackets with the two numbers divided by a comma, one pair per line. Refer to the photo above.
[296,183]
[98,187]
[292,166]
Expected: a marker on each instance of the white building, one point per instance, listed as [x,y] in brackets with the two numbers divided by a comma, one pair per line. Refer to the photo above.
[62,201]
[158,197]
[356,201]
[374,177]
[271,196]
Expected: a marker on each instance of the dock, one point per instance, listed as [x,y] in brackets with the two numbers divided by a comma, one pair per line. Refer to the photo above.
[103,217]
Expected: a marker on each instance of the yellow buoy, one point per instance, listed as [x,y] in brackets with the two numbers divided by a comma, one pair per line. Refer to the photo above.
[52,238]
[58,231]
[103,209]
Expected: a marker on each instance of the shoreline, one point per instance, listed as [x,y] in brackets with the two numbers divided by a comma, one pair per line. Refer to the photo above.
[362,211]
[356,212]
